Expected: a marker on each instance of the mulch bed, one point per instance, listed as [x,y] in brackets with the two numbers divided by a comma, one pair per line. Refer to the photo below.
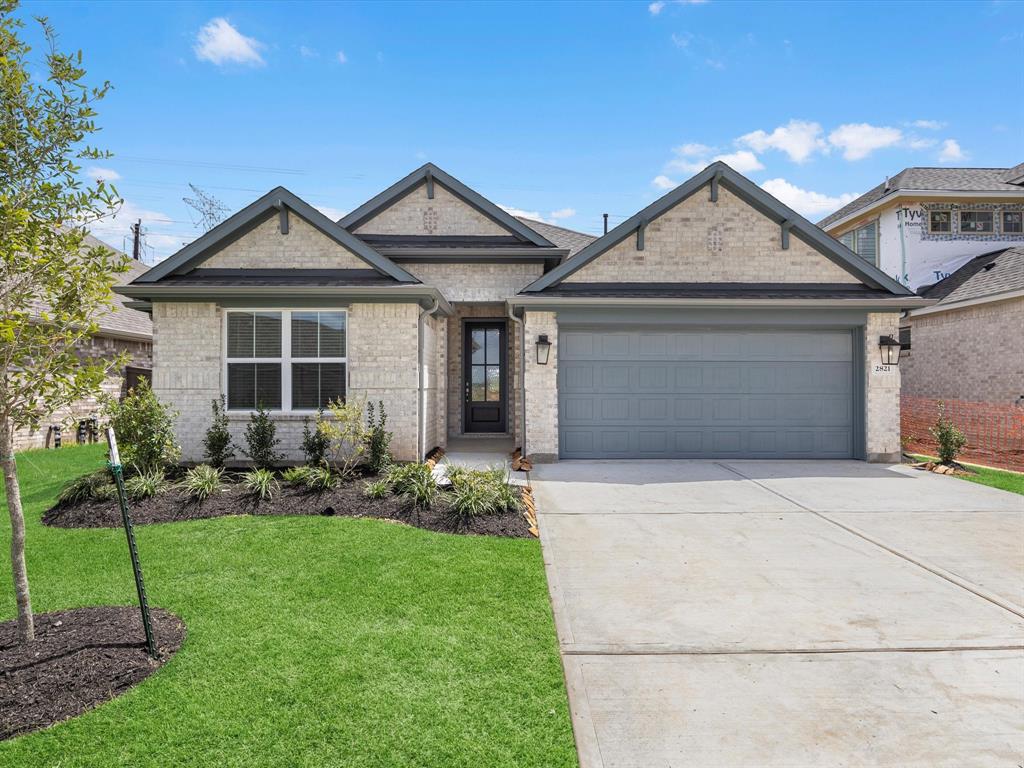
[346,501]
[79,659]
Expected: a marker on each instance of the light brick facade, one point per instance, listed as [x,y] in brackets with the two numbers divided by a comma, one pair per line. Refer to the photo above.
[975,353]
[477,282]
[304,247]
[723,242]
[416,214]
[542,390]
[882,392]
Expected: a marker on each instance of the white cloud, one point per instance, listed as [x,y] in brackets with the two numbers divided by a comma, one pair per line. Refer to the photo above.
[659,5]
[96,173]
[656,7]
[342,58]
[715,63]
[951,152]
[664,183]
[916,142]
[692,150]
[331,213]
[535,215]
[689,158]
[220,43]
[563,213]
[928,125]
[858,140]
[804,201]
[742,160]
[798,138]
[308,53]
[682,40]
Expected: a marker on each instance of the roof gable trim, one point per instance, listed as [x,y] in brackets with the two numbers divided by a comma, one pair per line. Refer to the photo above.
[715,174]
[278,201]
[430,174]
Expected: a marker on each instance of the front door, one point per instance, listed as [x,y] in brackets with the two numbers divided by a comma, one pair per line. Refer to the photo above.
[484,376]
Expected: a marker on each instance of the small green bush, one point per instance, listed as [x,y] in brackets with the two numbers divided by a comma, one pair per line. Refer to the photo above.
[315,442]
[414,482]
[218,445]
[320,479]
[261,483]
[480,492]
[377,489]
[145,430]
[85,488]
[951,438]
[145,485]
[295,475]
[202,481]
[261,438]
[378,439]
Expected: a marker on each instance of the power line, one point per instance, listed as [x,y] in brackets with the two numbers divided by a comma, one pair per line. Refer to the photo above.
[209,210]
[205,164]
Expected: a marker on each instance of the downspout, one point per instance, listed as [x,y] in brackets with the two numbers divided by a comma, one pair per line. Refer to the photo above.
[522,373]
[421,405]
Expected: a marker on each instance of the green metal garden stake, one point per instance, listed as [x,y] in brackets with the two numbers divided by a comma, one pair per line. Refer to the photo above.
[115,467]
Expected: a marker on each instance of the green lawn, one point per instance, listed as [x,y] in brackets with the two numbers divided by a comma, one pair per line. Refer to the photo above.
[994,478]
[311,642]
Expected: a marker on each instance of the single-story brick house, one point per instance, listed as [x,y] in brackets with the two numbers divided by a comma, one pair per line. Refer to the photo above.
[123,330]
[716,322]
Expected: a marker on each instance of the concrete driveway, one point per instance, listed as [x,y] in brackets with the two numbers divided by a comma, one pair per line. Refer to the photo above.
[756,613]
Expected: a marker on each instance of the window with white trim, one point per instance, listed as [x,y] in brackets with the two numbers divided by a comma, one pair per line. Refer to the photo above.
[940,221]
[1013,222]
[285,360]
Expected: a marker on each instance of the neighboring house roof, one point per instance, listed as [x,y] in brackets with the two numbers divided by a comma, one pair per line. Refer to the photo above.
[430,174]
[924,180]
[720,173]
[279,200]
[989,276]
[564,238]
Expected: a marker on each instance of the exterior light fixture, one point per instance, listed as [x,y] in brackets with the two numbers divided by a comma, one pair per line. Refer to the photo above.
[890,349]
[543,349]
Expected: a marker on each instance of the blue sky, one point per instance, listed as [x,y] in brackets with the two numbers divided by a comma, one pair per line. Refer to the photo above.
[562,110]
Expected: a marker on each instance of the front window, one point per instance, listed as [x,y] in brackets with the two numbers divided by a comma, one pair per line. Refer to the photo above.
[285,360]
[977,222]
[863,241]
[940,221]
[1013,222]
[905,338]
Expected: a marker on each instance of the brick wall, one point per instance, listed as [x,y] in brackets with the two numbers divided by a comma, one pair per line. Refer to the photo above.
[304,247]
[701,241]
[882,393]
[542,390]
[995,431]
[477,282]
[416,214]
[975,354]
[140,354]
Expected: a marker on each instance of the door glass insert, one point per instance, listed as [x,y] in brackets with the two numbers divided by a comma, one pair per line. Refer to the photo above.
[485,365]
[477,344]
[477,391]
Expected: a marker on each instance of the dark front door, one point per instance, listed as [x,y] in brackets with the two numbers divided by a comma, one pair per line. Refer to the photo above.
[484,377]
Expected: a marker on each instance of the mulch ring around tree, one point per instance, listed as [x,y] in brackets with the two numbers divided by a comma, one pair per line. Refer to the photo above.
[80,659]
[348,500]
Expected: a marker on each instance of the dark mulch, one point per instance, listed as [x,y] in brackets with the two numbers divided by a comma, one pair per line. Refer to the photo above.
[79,659]
[346,501]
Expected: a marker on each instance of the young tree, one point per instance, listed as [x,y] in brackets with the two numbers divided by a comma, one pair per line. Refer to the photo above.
[53,285]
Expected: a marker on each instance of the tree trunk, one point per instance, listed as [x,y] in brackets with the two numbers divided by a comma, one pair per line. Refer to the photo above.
[25,625]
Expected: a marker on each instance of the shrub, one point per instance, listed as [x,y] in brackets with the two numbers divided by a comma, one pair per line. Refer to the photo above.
[261,437]
[414,482]
[202,481]
[261,483]
[145,429]
[480,492]
[85,488]
[346,435]
[145,485]
[218,445]
[951,438]
[320,479]
[295,475]
[377,489]
[315,443]
[378,439]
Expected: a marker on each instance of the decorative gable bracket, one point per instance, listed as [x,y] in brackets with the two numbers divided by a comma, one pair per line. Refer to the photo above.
[282,212]
[640,234]
[714,186]
[785,226]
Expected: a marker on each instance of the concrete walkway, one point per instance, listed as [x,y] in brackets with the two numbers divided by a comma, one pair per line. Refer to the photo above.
[750,613]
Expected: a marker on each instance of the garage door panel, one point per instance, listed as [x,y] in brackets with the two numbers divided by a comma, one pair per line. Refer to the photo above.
[686,393]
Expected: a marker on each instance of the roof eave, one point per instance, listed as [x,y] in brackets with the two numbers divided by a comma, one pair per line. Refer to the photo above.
[897,194]
[895,304]
[948,306]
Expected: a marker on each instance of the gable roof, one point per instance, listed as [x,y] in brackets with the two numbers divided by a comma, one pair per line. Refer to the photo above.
[754,196]
[246,219]
[990,274]
[924,180]
[430,174]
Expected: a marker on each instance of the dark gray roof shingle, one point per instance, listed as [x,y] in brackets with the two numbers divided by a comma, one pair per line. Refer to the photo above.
[937,180]
[560,236]
[986,275]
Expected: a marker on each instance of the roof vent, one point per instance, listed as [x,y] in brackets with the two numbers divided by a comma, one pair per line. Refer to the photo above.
[886,184]
[989,266]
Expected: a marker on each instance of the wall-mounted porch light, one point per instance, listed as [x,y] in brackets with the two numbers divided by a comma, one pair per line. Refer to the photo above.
[543,349]
[890,349]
